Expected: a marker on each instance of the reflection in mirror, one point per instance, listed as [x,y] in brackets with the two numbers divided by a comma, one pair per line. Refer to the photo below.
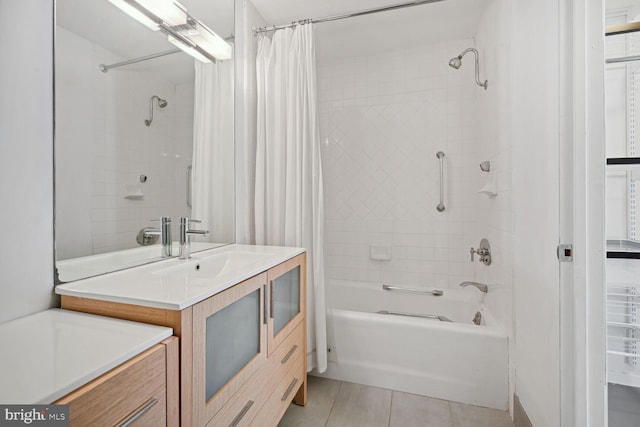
[143,131]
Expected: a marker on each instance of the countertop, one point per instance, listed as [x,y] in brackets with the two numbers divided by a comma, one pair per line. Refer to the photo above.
[163,284]
[49,354]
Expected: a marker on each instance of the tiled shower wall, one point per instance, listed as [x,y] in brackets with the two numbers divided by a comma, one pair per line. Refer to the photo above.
[103,146]
[383,118]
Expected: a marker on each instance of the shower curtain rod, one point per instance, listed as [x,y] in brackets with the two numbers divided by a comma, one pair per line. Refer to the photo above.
[347,15]
[104,68]
[623,59]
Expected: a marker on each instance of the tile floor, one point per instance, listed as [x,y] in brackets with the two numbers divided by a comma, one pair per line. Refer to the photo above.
[341,404]
[624,406]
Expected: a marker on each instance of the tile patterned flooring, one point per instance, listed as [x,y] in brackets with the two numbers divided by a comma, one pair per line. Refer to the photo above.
[341,404]
[624,406]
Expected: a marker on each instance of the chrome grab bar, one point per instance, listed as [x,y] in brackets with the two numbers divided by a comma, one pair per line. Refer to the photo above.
[189,172]
[423,316]
[435,292]
[440,156]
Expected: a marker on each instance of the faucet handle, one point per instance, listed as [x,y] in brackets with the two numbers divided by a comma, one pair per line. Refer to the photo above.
[165,219]
[472,251]
[186,220]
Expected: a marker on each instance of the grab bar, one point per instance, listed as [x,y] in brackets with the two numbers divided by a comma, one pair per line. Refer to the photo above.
[189,171]
[440,156]
[435,292]
[423,316]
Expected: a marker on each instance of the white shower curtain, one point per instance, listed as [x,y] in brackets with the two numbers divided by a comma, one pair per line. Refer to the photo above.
[213,150]
[289,207]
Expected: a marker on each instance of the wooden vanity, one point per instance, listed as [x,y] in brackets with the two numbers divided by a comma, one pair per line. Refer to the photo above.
[242,350]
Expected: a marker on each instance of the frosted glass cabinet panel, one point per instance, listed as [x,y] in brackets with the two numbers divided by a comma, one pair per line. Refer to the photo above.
[287,299]
[229,344]
[232,340]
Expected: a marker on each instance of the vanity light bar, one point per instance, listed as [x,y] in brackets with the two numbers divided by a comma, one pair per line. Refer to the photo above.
[182,30]
[129,7]
[191,50]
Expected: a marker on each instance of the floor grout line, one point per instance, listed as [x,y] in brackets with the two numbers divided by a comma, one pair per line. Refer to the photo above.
[390,408]
[333,404]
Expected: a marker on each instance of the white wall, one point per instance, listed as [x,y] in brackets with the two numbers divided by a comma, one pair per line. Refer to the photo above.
[26,157]
[535,134]
[103,146]
[495,215]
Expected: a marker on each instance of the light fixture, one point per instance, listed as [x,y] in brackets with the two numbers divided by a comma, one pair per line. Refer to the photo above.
[208,41]
[182,30]
[171,12]
[129,7]
[188,49]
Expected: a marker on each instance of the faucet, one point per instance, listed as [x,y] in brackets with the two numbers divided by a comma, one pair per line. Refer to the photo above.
[164,232]
[185,233]
[480,286]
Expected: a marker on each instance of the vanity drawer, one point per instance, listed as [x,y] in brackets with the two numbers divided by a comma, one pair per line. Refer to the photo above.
[281,395]
[137,387]
[287,352]
[244,405]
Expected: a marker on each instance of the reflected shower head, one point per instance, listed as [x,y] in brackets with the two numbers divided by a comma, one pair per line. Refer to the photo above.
[161,103]
[457,63]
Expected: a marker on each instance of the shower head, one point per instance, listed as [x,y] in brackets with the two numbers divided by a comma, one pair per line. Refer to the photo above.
[161,104]
[456,63]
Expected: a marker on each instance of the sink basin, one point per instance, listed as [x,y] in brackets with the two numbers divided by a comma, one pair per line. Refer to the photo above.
[212,266]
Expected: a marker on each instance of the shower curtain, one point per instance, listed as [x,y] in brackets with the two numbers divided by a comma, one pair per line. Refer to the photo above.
[289,207]
[213,150]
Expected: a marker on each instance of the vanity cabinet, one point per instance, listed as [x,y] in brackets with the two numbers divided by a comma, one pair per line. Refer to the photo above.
[242,351]
[141,391]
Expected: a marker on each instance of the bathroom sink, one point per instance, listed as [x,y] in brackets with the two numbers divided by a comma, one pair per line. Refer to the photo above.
[212,266]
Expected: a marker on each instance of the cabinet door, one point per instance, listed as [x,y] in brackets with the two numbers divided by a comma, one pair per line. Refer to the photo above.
[287,299]
[229,344]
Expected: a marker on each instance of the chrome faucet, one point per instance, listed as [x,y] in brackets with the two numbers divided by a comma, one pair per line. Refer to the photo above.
[185,233]
[164,232]
[480,286]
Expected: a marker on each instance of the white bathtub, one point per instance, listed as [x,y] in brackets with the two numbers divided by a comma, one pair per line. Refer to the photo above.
[456,360]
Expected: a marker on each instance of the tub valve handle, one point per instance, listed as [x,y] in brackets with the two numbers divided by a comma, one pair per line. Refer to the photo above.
[484,251]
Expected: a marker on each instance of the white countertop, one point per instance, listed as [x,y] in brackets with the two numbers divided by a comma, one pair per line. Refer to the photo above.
[162,284]
[47,355]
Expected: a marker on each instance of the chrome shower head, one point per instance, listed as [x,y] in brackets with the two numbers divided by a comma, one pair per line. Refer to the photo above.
[161,104]
[457,63]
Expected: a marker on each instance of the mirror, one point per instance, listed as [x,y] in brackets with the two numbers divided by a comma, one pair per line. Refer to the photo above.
[127,125]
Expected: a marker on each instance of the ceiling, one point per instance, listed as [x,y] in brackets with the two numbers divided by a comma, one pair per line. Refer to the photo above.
[105,25]
[430,23]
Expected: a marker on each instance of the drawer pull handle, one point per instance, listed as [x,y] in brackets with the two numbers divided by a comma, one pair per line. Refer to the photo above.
[138,413]
[271,299]
[265,315]
[289,389]
[288,355]
[241,414]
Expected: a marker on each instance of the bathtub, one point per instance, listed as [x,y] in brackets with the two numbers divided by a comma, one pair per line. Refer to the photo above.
[453,360]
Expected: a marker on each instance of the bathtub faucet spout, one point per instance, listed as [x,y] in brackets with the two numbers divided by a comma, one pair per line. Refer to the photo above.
[480,286]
